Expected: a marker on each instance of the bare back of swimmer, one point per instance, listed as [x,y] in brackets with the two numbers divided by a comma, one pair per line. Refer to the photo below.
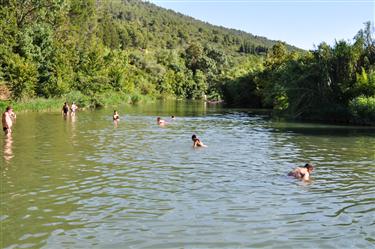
[302,173]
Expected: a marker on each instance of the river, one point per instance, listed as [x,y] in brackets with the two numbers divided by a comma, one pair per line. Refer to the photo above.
[83,183]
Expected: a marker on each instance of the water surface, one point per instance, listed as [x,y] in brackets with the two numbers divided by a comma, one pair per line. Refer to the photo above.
[82,183]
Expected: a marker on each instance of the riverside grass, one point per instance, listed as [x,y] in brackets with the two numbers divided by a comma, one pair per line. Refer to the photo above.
[37,104]
[108,99]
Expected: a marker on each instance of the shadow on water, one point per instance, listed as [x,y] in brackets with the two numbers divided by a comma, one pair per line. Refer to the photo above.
[322,129]
[298,127]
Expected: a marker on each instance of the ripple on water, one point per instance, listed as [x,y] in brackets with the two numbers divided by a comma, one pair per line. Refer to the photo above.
[144,186]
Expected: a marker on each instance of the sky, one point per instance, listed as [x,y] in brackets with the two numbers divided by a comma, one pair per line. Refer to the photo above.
[302,23]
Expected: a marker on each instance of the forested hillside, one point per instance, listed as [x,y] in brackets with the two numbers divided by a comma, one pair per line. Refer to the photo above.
[51,48]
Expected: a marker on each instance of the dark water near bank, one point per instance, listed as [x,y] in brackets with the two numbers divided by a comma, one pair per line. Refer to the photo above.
[81,183]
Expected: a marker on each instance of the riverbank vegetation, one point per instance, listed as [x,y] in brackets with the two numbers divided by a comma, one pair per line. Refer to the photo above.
[330,83]
[106,99]
[49,48]
[100,53]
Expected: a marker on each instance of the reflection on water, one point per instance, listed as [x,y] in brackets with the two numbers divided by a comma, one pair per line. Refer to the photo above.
[7,150]
[83,184]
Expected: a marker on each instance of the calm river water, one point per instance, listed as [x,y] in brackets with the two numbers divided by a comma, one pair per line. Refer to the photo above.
[82,183]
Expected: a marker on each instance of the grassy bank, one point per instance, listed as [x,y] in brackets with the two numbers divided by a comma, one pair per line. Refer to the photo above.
[108,99]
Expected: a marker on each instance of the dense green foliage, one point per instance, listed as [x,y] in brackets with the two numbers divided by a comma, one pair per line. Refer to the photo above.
[49,48]
[328,83]
[92,51]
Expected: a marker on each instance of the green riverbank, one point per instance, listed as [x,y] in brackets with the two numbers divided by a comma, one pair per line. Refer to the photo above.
[54,104]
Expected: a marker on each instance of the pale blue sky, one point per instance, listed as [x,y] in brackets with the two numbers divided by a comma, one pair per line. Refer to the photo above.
[303,23]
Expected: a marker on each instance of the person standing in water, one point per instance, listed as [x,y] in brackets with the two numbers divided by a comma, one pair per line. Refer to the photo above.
[73,109]
[197,142]
[65,109]
[302,173]
[6,120]
[116,118]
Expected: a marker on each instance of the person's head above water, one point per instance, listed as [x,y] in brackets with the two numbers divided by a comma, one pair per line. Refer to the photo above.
[194,137]
[309,167]
[160,121]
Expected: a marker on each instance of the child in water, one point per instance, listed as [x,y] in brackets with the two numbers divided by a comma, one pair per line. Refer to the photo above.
[197,142]
[302,173]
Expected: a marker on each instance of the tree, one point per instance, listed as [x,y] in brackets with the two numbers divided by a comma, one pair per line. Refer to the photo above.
[193,56]
[20,76]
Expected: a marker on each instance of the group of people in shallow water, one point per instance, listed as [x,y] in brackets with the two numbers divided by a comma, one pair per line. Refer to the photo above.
[8,117]
[66,108]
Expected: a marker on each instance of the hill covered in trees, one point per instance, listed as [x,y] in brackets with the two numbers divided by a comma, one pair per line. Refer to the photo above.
[49,48]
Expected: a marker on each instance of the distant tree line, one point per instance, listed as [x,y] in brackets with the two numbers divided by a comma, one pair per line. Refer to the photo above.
[250,48]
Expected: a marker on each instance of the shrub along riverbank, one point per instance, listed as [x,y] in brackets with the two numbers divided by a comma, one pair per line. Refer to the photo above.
[108,99]
[330,83]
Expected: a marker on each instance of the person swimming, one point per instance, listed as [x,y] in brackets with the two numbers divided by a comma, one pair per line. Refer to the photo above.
[197,142]
[302,173]
[160,121]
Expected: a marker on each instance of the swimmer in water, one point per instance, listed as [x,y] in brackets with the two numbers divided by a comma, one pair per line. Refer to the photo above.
[197,142]
[160,121]
[302,173]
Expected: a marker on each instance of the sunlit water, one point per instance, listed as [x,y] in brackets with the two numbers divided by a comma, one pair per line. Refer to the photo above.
[82,183]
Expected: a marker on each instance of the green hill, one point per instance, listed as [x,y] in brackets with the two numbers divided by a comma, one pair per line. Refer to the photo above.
[86,48]
[156,27]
